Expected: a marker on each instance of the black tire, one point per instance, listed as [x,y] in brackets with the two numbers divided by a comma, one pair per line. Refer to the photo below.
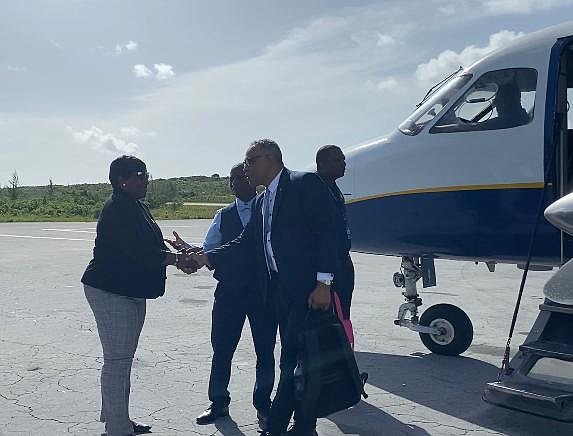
[457,326]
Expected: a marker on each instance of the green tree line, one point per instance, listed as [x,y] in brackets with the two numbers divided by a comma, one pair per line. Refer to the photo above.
[166,197]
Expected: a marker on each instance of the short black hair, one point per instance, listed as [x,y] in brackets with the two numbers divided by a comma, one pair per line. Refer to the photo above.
[324,151]
[240,165]
[123,167]
[269,146]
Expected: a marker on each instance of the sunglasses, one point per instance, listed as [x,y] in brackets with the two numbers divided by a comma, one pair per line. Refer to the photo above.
[143,175]
[250,161]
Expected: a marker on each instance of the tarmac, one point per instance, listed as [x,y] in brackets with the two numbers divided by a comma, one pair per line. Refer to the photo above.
[51,356]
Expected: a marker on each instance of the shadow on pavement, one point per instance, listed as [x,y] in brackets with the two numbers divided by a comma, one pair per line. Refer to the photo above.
[453,386]
[227,426]
[365,419]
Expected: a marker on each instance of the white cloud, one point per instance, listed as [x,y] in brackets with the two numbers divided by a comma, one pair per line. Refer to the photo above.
[164,71]
[55,44]
[498,7]
[318,30]
[128,46]
[141,70]
[317,72]
[132,132]
[387,83]
[15,68]
[129,131]
[385,40]
[105,142]
[448,61]
[447,10]
[131,45]
[478,9]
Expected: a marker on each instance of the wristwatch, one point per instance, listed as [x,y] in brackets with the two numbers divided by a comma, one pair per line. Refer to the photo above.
[326,282]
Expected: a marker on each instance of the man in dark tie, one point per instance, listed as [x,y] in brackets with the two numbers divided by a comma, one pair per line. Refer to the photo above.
[331,165]
[291,234]
[237,297]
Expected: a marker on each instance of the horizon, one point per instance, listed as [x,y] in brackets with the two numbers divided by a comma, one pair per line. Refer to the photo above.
[108,183]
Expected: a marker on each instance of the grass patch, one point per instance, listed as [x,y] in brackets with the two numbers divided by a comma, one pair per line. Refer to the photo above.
[182,212]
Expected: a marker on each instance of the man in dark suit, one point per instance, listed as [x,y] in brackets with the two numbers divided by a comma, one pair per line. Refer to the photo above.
[330,166]
[236,298]
[291,234]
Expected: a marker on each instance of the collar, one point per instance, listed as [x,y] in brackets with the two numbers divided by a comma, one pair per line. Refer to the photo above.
[244,204]
[275,182]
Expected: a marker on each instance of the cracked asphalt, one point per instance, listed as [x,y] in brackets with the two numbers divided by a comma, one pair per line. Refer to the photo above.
[51,357]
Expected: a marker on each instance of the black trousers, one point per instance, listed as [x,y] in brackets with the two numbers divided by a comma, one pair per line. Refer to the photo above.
[290,315]
[230,309]
[344,284]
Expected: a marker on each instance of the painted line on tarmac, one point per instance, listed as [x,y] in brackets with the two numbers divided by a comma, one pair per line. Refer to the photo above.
[45,237]
[70,230]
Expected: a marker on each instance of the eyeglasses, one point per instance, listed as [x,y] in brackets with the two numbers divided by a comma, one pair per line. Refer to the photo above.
[251,161]
[144,175]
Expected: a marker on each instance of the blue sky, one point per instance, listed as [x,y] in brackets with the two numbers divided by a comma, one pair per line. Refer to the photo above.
[188,84]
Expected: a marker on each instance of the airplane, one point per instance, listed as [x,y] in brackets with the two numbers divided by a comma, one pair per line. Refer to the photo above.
[465,177]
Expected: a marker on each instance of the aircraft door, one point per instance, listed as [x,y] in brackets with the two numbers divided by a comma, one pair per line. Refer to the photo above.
[564,137]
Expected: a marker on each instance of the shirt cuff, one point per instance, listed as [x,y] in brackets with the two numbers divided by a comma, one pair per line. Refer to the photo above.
[324,276]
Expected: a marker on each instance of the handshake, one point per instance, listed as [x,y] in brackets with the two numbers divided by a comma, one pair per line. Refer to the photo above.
[191,258]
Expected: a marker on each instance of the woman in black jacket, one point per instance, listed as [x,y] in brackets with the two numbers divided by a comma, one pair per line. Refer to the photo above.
[128,267]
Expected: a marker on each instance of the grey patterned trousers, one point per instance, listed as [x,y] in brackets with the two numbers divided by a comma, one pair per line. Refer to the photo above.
[119,322]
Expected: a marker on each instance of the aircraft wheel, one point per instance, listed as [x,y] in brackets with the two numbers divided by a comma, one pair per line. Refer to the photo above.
[456,330]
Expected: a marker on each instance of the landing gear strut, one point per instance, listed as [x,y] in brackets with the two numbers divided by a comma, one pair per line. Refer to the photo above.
[443,328]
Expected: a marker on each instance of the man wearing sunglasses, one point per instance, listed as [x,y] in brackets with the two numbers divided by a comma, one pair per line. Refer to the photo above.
[291,236]
[236,298]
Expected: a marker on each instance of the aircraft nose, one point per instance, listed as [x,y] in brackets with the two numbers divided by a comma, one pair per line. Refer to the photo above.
[560,213]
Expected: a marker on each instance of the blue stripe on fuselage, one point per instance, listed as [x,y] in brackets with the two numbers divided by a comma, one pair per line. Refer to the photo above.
[491,224]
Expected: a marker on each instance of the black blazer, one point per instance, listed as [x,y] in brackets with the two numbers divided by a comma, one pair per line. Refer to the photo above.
[343,240]
[129,250]
[302,236]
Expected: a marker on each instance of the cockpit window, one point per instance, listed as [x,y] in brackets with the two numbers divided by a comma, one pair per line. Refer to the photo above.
[433,105]
[499,99]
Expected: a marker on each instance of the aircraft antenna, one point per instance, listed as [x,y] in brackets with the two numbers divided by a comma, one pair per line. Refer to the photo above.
[438,86]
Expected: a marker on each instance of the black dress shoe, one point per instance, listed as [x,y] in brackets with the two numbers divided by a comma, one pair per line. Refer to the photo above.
[212,413]
[139,428]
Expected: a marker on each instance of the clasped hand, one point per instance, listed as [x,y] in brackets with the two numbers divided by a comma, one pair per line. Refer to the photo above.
[190,262]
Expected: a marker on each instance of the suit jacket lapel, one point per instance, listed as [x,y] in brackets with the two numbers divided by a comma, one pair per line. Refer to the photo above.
[284,181]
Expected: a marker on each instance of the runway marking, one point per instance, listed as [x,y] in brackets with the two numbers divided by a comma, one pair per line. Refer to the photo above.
[45,237]
[70,230]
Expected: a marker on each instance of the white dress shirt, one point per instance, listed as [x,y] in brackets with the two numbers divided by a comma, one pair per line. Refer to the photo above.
[269,201]
[213,237]
[271,193]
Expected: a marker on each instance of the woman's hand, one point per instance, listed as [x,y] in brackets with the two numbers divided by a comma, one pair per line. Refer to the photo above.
[177,243]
